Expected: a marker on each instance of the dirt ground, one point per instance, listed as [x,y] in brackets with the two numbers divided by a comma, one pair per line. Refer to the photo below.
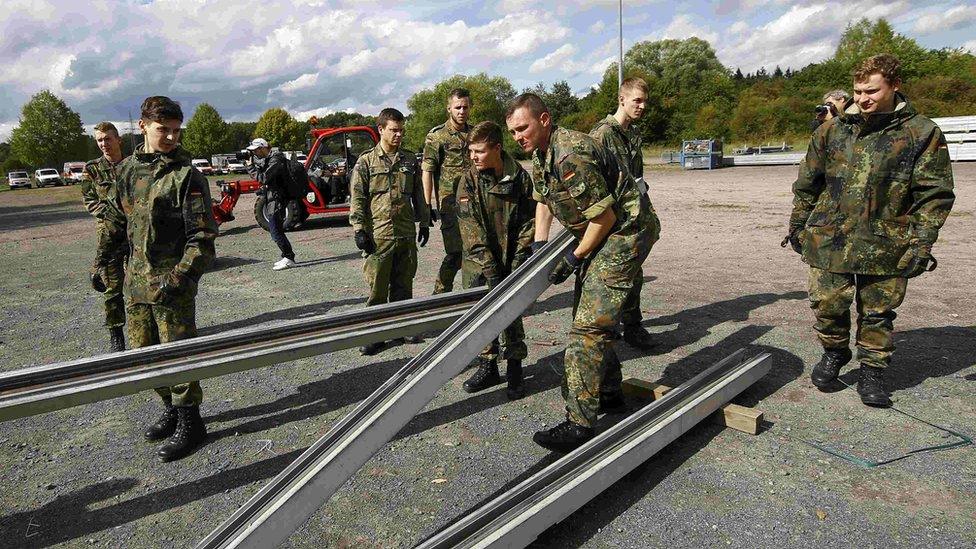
[717,281]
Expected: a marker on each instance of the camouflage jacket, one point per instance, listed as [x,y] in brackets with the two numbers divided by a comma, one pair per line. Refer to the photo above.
[872,190]
[387,195]
[162,206]
[95,189]
[578,179]
[446,156]
[497,217]
[624,144]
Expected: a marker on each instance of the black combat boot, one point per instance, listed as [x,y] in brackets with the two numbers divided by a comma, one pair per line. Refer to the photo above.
[371,348]
[871,387]
[513,374]
[414,339]
[117,339]
[190,433]
[164,426]
[486,376]
[636,336]
[613,403]
[564,438]
[825,372]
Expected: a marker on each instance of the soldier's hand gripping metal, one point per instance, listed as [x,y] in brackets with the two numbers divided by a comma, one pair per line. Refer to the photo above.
[364,242]
[567,265]
[423,235]
[537,245]
[97,282]
[793,239]
[920,261]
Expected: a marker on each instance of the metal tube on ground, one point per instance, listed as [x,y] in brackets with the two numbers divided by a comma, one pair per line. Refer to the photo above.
[40,389]
[516,517]
[281,506]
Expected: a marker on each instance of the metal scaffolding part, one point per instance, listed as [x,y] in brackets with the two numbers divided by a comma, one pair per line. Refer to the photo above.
[39,389]
[516,517]
[281,506]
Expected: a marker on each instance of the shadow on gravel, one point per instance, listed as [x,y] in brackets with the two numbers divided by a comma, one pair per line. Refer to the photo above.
[34,219]
[324,260]
[290,313]
[325,222]
[238,230]
[10,210]
[229,262]
[562,300]
[930,352]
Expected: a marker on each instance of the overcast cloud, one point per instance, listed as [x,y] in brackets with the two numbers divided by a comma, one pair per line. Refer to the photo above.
[320,56]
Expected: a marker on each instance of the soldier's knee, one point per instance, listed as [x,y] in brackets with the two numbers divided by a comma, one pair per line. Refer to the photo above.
[453,260]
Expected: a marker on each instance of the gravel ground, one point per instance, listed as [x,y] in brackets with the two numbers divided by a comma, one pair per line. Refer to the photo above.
[717,281]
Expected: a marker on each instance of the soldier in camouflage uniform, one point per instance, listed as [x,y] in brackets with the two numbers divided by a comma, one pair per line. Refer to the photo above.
[445,161]
[617,133]
[387,199]
[162,207]
[871,196]
[577,180]
[497,218]
[95,189]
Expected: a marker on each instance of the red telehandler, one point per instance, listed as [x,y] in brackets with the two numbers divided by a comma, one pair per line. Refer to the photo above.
[329,164]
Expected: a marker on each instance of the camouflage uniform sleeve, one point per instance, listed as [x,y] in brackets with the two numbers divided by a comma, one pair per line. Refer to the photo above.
[432,154]
[358,202]
[90,198]
[112,236]
[931,191]
[526,230]
[200,227]
[477,229]
[810,181]
[582,177]
[420,208]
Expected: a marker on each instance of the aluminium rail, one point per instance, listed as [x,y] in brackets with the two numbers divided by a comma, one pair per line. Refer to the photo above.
[516,517]
[288,500]
[39,389]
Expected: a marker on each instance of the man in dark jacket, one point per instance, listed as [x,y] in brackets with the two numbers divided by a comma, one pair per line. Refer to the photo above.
[272,173]
[871,196]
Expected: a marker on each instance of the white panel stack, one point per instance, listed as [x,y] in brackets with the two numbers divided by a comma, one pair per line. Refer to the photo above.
[960,133]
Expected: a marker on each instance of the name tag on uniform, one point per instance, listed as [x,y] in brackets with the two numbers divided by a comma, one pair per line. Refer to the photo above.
[642,185]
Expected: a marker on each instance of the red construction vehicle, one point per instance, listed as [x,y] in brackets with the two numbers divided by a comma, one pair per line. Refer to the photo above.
[329,166]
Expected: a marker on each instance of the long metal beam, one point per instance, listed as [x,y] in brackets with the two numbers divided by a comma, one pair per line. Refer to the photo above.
[34,390]
[281,506]
[517,517]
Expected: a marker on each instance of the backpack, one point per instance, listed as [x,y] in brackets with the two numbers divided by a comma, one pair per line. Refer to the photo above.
[296,184]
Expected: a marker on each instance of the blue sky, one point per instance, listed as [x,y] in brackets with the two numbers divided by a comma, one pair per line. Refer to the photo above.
[320,56]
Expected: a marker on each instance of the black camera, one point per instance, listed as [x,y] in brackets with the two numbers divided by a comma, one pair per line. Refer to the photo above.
[244,155]
[825,108]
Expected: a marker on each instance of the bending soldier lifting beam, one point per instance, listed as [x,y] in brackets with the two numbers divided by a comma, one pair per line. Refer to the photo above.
[281,506]
[39,389]
[516,517]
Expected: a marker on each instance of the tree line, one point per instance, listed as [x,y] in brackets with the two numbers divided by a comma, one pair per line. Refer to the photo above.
[692,96]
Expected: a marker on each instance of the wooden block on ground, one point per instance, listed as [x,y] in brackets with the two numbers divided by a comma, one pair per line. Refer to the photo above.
[740,418]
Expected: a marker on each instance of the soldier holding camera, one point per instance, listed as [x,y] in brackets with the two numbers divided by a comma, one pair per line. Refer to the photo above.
[834,103]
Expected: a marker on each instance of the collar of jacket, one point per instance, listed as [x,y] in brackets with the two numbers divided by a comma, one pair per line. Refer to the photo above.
[548,160]
[882,120]
[392,157]
[510,170]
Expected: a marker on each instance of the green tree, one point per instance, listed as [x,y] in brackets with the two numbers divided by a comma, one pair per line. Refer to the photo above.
[206,133]
[281,130]
[49,133]
[489,96]
[345,119]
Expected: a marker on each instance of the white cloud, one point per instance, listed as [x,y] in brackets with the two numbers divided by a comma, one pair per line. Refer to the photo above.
[553,60]
[954,18]
[682,27]
[598,27]
[971,46]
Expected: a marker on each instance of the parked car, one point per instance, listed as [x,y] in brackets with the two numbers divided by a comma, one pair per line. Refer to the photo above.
[46,177]
[203,165]
[17,180]
[74,172]
[236,166]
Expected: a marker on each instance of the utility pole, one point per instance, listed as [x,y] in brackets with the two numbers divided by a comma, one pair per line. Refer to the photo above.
[132,133]
[620,26]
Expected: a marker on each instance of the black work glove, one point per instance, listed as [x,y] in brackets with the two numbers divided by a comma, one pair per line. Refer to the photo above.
[97,282]
[492,281]
[172,283]
[434,215]
[364,242]
[921,261]
[423,234]
[567,265]
[793,239]
[538,245]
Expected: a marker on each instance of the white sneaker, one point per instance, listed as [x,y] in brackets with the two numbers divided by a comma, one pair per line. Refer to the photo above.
[283,263]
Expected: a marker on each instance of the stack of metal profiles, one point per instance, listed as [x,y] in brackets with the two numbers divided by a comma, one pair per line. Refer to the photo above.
[768,159]
[960,134]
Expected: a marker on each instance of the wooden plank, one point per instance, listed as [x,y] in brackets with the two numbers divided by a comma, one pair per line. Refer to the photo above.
[740,418]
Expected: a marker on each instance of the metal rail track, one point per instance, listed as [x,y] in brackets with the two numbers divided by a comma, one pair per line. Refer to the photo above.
[516,517]
[39,389]
[288,500]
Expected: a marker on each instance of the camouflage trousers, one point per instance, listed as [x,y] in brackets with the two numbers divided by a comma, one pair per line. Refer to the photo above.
[113,275]
[512,339]
[389,271]
[875,297]
[454,259]
[158,323]
[602,289]
[632,315]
